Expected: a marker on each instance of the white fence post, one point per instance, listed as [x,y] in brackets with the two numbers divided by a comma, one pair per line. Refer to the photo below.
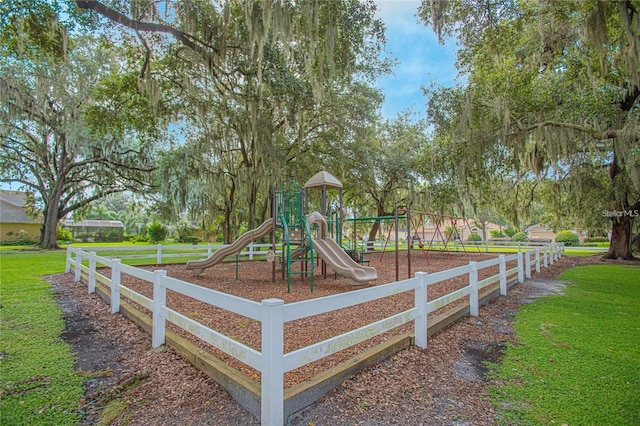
[473,296]
[503,275]
[420,323]
[67,266]
[537,260]
[250,247]
[527,264]
[209,250]
[159,302]
[91,284]
[486,246]
[544,257]
[159,255]
[272,368]
[520,268]
[115,285]
[78,272]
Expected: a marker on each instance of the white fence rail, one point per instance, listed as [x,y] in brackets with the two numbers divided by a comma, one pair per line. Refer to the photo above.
[271,361]
[159,252]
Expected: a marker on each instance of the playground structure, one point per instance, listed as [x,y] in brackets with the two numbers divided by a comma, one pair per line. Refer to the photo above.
[309,240]
[304,237]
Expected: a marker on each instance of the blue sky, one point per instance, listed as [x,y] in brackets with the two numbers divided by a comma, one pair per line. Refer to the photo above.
[421,60]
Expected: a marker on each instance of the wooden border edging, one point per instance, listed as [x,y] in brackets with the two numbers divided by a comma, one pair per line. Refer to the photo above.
[242,388]
[247,392]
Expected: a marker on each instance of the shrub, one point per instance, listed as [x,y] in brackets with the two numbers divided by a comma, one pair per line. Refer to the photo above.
[497,233]
[157,232]
[64,234]
[591,245]
[450,232]
[23,237]
[596,240]
[569,238]
[184,232]
[474,237]
[509,232]
[190,239]
[138,239]
[519,237]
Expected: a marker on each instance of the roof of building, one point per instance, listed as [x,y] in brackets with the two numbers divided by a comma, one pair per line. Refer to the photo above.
[91,223]
[17,198]
[12,208]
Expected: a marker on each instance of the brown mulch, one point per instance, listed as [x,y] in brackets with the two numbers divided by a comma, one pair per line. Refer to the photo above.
[440,385]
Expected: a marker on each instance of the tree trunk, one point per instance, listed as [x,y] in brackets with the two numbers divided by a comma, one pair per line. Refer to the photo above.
[226,230]
[49,229]
[620,245]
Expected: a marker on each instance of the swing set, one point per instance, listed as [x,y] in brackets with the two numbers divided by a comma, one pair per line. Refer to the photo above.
[445,231]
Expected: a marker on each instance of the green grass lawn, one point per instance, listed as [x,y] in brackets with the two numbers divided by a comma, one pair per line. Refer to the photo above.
[38,383]
[577,360]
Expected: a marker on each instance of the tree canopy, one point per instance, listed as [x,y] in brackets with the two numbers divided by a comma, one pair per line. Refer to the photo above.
[552,94]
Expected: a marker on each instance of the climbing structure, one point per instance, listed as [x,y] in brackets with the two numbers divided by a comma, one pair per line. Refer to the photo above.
[297,244]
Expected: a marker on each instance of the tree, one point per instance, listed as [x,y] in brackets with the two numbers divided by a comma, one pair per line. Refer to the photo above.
[553,90]
[65,135]
[265,118]
[382,164]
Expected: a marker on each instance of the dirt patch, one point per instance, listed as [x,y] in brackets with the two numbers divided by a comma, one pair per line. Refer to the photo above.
[471,365]
[440,385]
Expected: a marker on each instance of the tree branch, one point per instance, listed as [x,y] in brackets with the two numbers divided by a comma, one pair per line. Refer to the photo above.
[115,16]
[120,18]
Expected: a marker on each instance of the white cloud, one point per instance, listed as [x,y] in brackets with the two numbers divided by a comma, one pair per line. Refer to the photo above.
[399,14]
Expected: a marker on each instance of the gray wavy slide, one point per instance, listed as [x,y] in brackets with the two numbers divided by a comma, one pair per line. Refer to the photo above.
[198,266]
[342,263]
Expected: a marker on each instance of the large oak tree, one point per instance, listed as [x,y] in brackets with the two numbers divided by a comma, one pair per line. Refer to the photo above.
[553,90]
[67,130]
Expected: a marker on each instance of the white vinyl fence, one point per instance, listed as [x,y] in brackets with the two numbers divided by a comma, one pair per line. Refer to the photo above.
[159,252]
[272,362]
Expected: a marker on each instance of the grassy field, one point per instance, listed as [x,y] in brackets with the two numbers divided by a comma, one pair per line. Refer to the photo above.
[38,383]
[577,360]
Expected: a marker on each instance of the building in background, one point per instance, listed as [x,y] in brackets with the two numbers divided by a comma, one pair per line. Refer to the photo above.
[15,223]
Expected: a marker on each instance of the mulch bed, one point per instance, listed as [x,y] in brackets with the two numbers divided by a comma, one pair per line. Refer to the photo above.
[440,384]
